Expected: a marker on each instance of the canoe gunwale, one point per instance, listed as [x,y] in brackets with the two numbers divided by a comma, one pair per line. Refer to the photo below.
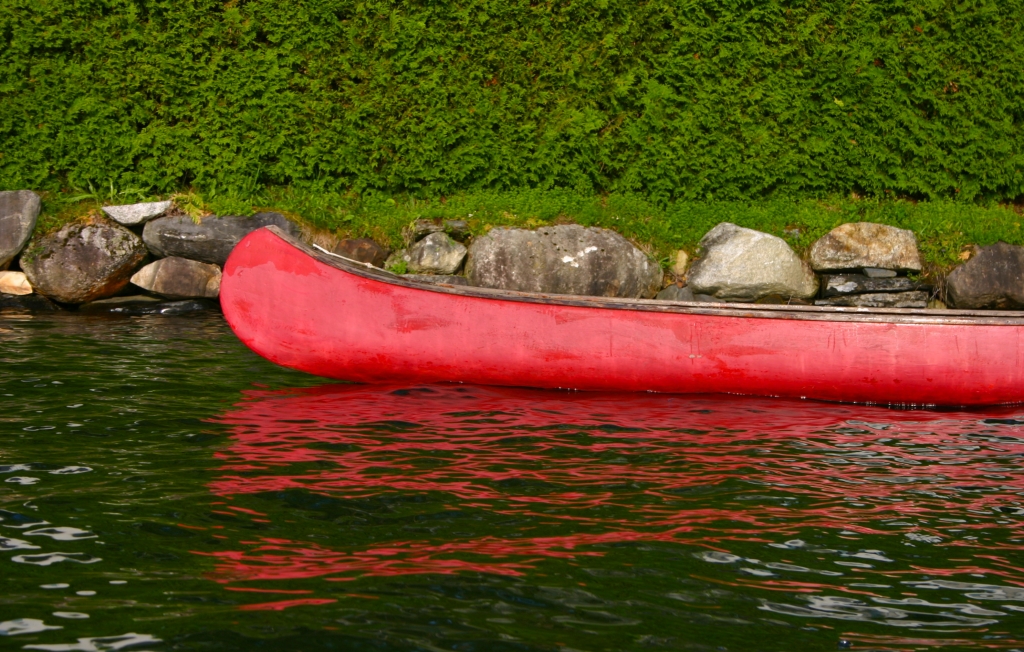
[740,310]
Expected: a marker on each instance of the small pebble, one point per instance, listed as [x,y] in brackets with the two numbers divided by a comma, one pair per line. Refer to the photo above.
[54,586]
[85,593]
[118,582]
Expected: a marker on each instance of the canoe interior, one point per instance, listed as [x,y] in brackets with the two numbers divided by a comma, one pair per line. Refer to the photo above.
[746,310]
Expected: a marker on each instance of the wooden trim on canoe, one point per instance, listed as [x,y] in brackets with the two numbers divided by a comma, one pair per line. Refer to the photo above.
[746,310]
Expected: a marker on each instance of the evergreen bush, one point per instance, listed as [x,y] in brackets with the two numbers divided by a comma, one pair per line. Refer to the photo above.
[673,99]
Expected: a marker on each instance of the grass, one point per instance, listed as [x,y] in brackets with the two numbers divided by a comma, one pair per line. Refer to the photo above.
[945,230]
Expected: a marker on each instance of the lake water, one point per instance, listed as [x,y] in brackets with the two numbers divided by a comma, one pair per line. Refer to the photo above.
[162,488]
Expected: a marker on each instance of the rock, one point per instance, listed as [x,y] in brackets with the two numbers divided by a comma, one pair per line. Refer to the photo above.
[682,261]
[135,308]
[875,272]
[83,261]
[437,279]
[18,212]
[396,259]
[675,293]
[363,250]
[180,278]
[745,265]
[26,303]
[435,254]
[420,229]
[864,244]
[135,214]
[566,259]
[211,240]
[837,285]
[458,229]
[106,305]
[992,278]
[884,300]
[15,283]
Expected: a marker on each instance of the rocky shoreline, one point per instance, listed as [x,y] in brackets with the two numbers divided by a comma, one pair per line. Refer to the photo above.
[150,258]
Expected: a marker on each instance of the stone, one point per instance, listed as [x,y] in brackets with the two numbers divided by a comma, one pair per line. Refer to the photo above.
[458,229]
[363,250]
[707,298]
[837,285]
[135,214]
[136,308]
[396,259]
[680,264]
[564,259]
[15,283]
[83,261]
[865,244]
[179,278]
[212,239]
[685,294]
[881,300]
[875,272]
[435,254]
[992,278]
[19,210]
[26,303]
[437,279]
[675,293]
[421,228]
[105,305]
[741,264]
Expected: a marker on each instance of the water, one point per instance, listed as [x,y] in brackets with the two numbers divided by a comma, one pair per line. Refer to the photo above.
[164,489]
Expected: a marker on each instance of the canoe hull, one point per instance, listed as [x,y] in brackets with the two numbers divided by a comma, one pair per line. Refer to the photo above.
[308,313]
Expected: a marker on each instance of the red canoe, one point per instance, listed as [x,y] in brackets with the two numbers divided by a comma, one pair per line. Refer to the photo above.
[328,316]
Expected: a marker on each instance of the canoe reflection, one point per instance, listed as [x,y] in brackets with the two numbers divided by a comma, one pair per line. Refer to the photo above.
[565,475]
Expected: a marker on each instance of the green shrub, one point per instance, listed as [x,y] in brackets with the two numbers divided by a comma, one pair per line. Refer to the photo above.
[670,99]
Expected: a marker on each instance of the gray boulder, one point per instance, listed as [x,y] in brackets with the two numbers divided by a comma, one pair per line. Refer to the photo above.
[180,278]
[864,244]
[566,259]
[83,261]
[435,254]
[993,278]
[18,212]
[881,300]
[363,250]
[745,265]
[135,214]
[211,240]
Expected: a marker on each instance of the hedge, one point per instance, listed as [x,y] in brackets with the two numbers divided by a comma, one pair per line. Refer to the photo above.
[671,99]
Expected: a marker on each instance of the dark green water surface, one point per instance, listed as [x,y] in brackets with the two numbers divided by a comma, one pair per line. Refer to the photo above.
[162,488]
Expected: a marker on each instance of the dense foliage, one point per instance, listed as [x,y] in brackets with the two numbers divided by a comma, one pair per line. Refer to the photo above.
[674,99]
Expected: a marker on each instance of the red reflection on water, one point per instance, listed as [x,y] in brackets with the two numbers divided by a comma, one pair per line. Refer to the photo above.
[613,469]
[285,604]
